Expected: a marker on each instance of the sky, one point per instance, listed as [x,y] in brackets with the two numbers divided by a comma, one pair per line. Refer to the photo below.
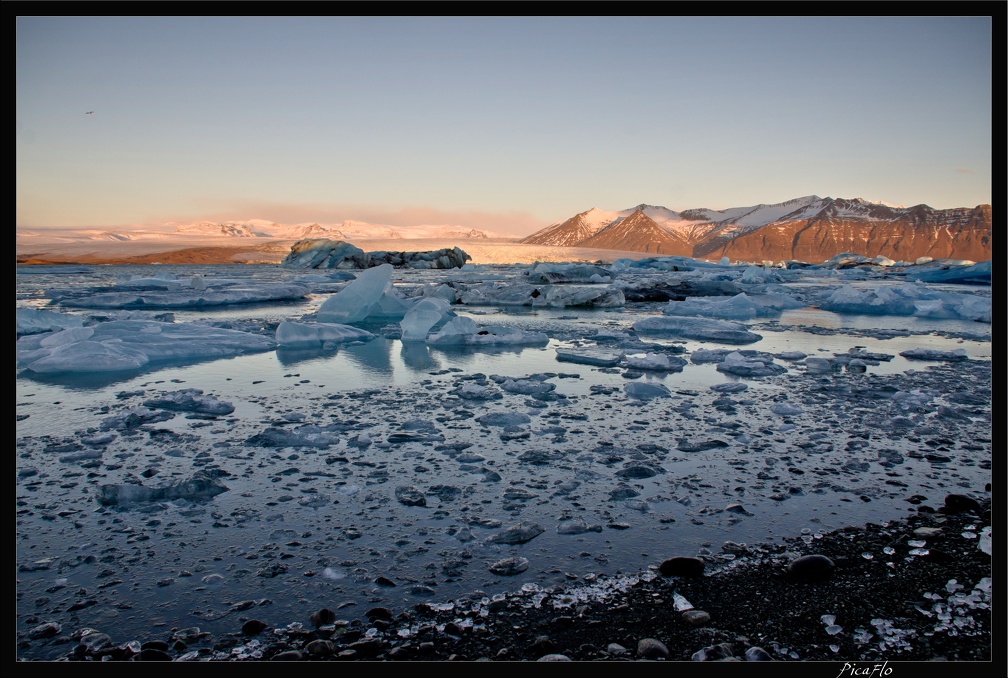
[507,124]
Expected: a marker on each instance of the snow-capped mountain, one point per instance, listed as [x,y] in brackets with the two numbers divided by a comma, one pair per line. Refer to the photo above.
[349,229]
[810,229]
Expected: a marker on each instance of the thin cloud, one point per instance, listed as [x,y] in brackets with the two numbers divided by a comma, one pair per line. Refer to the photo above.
[964,170]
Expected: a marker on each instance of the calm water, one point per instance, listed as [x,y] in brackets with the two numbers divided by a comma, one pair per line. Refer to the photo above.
[305,527]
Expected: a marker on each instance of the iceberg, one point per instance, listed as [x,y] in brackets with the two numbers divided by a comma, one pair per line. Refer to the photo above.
[354,302]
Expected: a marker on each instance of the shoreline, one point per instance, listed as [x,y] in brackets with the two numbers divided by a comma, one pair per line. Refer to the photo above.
[922,595]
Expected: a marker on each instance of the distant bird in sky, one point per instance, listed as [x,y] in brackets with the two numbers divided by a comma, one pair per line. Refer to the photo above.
[90,112]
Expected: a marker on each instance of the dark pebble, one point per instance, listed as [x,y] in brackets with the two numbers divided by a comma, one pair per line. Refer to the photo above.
[960,503]
[322,617]
[812,567]
[288,656]
[253,627]
[152,655]
[682,566]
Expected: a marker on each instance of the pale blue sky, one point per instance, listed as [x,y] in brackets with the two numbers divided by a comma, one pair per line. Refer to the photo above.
[501,123]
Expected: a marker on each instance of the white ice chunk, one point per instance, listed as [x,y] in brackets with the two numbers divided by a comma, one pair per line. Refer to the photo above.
[588,356]
[739,307]
[354,302]
[291,334]
[130,344]
[658,362]
[985,540]
[187,296]
[424,315]
[463,331]
[33,321]
[645,390]
[700,329]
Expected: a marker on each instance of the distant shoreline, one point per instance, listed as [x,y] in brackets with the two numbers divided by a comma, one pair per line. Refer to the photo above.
[482,251]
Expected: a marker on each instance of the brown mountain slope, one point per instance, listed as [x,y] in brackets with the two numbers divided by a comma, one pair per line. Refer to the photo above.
[639,233]
[921,232]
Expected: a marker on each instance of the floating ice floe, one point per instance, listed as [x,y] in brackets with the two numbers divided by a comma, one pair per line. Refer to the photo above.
[122,345]
[568,273]
[909,299]
[645,390]
[956,355]
[658,362]
[700,329]
[589,356]
[244,292]
[463,331]
[739,307]
[35,321]
[190,400]
[290,334]
[758,365]
[201,486]
[551,296]
[952,272]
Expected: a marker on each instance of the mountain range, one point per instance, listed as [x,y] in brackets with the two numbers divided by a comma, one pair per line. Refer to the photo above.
[809,229]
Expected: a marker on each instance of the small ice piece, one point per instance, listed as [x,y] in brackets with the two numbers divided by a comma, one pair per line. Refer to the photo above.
[785,409]
[730,387]
[985,540]
[957,355]
[658,362]
[598,357]
[644,390]
[680,603]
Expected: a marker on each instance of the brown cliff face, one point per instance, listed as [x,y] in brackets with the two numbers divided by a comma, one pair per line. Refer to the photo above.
[813,233]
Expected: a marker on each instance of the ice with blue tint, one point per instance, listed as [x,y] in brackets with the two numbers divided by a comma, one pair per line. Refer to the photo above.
[948,272]
[569,273]
[191,295]
[739,307]
[422,317]
[359,298]
[701,329]
[35,320]
[120,345]
[305,334]
[907,299]
[463,331]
